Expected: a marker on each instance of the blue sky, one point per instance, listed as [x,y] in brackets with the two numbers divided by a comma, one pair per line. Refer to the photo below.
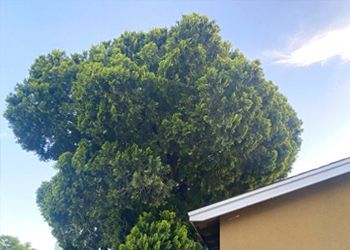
[304,47]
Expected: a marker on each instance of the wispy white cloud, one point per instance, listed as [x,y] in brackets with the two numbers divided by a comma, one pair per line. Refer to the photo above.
[318,49]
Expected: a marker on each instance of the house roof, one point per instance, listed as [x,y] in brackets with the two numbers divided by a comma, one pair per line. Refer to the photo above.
[206,220]
[271,191]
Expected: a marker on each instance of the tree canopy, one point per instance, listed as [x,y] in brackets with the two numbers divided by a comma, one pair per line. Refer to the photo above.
[172,119]
[8,242]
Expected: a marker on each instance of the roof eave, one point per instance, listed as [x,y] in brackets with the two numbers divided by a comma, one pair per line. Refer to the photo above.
[271,191]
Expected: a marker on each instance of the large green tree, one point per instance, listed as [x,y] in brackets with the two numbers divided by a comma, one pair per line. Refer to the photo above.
[172,119]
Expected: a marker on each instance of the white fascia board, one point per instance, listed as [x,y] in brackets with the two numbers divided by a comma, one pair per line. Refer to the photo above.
[277,189]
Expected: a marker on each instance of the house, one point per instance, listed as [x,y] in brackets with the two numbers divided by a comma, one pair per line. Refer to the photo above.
[307,211]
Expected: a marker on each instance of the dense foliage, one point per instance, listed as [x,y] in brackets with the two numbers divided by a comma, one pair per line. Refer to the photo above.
[172,119]
[8,242]
[163,233]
